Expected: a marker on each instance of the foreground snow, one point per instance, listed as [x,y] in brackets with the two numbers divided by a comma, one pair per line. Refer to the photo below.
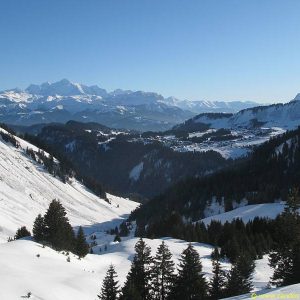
[287,292]
[248,213]
[51,276]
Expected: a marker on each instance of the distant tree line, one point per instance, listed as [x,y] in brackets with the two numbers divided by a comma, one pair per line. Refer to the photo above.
[254,237]
[9,137]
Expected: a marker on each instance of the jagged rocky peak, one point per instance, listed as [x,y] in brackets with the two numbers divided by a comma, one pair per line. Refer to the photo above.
[65,87]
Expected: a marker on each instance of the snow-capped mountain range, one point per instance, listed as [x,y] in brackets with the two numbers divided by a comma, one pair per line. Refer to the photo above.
[232,135]
[286,116]
[64,100]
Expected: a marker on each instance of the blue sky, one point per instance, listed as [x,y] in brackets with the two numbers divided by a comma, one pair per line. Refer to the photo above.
[195,49]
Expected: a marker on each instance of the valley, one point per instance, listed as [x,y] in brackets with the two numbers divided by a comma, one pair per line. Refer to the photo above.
[26,190]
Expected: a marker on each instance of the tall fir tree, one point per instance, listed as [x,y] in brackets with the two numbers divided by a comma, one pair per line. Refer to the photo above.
[240,276]
[190,283]
[39,229]
[22,232]
[284,258]
[81,246]
[58,231]
[163,276]
[218,281]
[293,202]
[138,281]
[110,286]
[231,249]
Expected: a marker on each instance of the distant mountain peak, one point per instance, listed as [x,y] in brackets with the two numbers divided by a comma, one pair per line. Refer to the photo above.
[297,98]
[120,92]
[65,81]
[64,87]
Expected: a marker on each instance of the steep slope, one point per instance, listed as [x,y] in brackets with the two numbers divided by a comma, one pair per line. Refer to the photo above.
[248,213]
[26,190]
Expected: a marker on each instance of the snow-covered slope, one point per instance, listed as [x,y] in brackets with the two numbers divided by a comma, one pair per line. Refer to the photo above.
[249,127]
[248,213]
[286,116]
[50,276]
[286,292]
[26,190]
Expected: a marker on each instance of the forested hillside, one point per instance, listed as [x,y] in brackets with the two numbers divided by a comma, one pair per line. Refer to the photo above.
[266,176]
[122,163]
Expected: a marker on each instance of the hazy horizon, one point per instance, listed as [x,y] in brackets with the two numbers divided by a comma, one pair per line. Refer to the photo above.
[136,90]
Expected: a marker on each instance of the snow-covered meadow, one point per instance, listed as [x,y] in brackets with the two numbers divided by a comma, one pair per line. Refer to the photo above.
[51,277]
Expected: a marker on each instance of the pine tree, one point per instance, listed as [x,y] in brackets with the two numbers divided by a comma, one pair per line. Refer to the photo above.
[117,238]
[281,257]
[81,246]
[137,285]
[58,231]
[190,283]
[284,258]
[22,232]
[240,276]
[124,231]
[162,273]
[295,278]
[217,282]
[110,288]
[231,249]
[39,229]
[293,202]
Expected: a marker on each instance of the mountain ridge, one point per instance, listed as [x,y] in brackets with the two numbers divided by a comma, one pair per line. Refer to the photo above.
[284,115]
[64,100]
